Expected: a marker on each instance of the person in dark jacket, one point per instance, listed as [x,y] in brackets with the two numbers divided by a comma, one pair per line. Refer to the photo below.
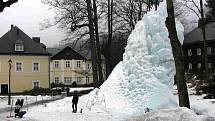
[21,102]
[75,102]
[17,110]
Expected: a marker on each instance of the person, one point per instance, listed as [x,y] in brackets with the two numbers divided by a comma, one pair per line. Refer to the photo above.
[74,102]
[17,110]
[21,102]
[67,91]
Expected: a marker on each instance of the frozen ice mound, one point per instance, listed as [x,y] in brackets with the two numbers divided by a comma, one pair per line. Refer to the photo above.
[145,77]
[174,114]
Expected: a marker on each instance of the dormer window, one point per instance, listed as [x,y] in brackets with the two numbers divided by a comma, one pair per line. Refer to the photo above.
[19,47]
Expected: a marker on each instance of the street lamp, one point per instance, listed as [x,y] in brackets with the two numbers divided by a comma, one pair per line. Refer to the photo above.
[10,66]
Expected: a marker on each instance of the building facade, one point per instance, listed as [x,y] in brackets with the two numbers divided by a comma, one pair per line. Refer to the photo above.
[193,51]
[69,67]
[30,62]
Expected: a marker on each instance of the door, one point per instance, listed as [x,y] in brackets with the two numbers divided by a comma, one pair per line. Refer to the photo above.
[4,88]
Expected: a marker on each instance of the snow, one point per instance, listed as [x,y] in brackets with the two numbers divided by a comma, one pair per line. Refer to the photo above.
[28,99]
[174,114]
[61,110]
[80,89]
[144,78]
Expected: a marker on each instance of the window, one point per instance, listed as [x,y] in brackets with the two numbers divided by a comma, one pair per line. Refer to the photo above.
[67,80]
[199,65]
[18,66]
[190,66]
[210,76]
[67,64]
[78,64]
[56,80]
[209,50]
[189,52]
[56,64]
[79,79]
[35,66]
[36,84]
[198,51]
[87,79]
[88,66]
[19,47]
[209,65]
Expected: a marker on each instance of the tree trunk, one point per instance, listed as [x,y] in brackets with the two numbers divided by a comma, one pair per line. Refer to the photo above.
[148,5]
[98,48]
[131,15]
[205,44]
[108,57]
[140,10]
[92,43]
[177,53]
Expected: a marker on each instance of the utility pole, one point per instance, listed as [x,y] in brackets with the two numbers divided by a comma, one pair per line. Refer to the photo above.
[205,43]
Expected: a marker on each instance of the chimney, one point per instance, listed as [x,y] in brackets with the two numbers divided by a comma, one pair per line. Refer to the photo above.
[36,39]
[11,26]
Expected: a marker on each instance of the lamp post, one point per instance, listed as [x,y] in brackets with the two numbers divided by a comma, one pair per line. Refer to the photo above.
[10,66]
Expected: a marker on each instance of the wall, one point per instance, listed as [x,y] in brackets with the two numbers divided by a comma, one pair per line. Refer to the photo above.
[21,81]
[73,71]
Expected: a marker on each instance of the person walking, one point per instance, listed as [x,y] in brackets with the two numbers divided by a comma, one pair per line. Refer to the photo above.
[75,102]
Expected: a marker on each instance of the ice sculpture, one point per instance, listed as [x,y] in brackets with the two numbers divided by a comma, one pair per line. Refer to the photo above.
[144,78]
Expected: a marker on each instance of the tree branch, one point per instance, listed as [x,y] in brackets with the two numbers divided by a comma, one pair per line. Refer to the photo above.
[6,4]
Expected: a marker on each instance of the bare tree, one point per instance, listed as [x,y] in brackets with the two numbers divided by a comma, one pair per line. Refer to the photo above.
[73,17]
[110,32]
[98,47]
[7,3]
[177,54]
[92,42]
[70,16]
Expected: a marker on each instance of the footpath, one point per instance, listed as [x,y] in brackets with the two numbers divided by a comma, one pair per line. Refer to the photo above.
[7,109]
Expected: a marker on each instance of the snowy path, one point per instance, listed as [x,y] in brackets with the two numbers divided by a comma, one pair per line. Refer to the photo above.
[60,117]
[60,110]
[7,109]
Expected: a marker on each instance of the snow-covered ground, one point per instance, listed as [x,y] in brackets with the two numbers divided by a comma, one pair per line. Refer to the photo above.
[61,110]
[80,89]
[28,99]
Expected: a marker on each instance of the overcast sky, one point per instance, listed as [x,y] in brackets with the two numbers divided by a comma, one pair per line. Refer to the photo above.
[27,14]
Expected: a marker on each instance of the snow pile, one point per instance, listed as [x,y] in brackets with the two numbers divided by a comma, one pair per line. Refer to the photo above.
[175,114]
[144,78]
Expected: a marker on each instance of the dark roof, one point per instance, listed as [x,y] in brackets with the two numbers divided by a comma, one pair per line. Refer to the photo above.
[15,35]
[86,53]
[53,51]
[67,53]
[196,34]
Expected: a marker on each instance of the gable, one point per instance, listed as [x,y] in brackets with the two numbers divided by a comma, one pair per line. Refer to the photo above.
[68,54]
[15,35]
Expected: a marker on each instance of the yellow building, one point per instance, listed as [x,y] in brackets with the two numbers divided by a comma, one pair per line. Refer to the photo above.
[30,62]
[71,68]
